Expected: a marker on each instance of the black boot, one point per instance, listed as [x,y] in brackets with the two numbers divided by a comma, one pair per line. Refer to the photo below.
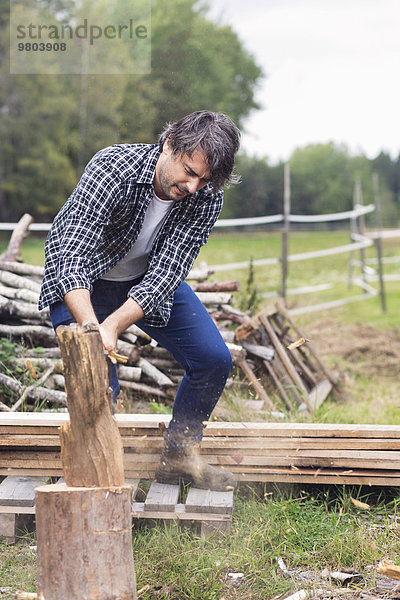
[188,467]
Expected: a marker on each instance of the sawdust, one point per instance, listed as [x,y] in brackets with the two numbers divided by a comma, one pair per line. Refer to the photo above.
[357,347]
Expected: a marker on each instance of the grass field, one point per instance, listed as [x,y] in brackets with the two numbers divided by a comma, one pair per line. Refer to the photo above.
[310,528]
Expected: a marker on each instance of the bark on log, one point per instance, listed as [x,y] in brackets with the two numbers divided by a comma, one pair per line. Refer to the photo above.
[17,237]
[21,268]
[33,392]
[19,294]
[22,310]
[214,298]
[38,333]
[85,543]
[17,281]
[91,447]
[153,373]
[129,373]
[216,286]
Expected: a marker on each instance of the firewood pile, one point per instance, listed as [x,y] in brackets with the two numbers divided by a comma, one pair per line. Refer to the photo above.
[275,374]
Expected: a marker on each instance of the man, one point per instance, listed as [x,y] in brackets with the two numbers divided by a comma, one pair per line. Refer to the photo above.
[118,253]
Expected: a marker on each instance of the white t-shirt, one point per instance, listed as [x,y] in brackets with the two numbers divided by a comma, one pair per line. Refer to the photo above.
[135,262]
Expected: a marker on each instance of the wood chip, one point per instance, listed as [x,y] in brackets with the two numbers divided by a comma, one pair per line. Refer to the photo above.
[386,567]
[297,343]
[360,504]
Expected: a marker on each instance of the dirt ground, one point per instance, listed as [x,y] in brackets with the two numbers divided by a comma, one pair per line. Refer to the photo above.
[363,348]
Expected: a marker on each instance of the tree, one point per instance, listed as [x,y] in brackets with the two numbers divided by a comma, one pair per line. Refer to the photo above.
[260,191]
[196,64]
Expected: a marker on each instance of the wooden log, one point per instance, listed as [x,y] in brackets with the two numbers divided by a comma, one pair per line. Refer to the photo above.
[84,538]
[17,281]
[18,235]
[33,392]
[216,286]
[214,298]
[37,333]
[91,447]
[19,294]
[22,310]
[153,373]
[21,268]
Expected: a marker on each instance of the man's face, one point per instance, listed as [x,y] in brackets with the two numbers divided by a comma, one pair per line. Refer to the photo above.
[178,175]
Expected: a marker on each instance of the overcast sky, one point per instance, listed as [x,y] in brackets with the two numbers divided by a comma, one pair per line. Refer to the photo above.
[332,73]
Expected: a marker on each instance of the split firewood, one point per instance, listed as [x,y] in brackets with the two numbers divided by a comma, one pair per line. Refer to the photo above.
[360,504]
[297,343]
[18,235]
[386,567]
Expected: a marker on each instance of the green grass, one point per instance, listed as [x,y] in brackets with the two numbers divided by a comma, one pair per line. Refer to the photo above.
[309,529]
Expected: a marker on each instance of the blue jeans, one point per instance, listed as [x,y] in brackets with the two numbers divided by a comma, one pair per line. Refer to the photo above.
[192,337]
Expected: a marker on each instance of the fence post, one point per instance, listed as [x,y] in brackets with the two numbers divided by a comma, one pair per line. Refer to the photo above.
[285,229]
[378,239]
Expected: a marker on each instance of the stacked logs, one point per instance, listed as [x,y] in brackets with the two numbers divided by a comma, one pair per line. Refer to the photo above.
[263,347]
[150,371]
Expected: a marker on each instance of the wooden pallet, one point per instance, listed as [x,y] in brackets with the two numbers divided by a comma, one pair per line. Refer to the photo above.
[210,512]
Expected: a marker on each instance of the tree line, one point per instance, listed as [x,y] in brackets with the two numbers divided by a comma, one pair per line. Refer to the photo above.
[322,181]
[51,125]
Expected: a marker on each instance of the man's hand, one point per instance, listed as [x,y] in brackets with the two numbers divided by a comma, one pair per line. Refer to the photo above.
[79,305]
[118,321]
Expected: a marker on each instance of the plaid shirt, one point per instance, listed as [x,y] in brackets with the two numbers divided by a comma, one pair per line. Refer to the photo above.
[102,218]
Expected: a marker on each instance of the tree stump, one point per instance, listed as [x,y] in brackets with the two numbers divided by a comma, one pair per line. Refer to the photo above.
[84,526]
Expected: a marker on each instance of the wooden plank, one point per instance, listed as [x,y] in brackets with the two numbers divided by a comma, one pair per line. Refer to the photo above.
[207,501]
[179,514]
[284,357]
[19,490]
[134,483]
[149,424]
[282,309]
[281,390]
[161,497]
[256,385]
[318,394]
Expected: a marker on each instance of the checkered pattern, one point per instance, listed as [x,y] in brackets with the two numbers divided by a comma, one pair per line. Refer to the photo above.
[101,220]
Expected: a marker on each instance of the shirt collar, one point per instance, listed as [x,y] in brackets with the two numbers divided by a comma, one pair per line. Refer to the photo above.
[146,174]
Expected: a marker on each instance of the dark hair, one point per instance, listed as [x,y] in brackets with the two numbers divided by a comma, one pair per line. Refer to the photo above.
[214,134]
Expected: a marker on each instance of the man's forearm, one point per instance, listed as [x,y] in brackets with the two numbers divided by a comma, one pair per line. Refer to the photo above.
[118,321]
[79,305]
